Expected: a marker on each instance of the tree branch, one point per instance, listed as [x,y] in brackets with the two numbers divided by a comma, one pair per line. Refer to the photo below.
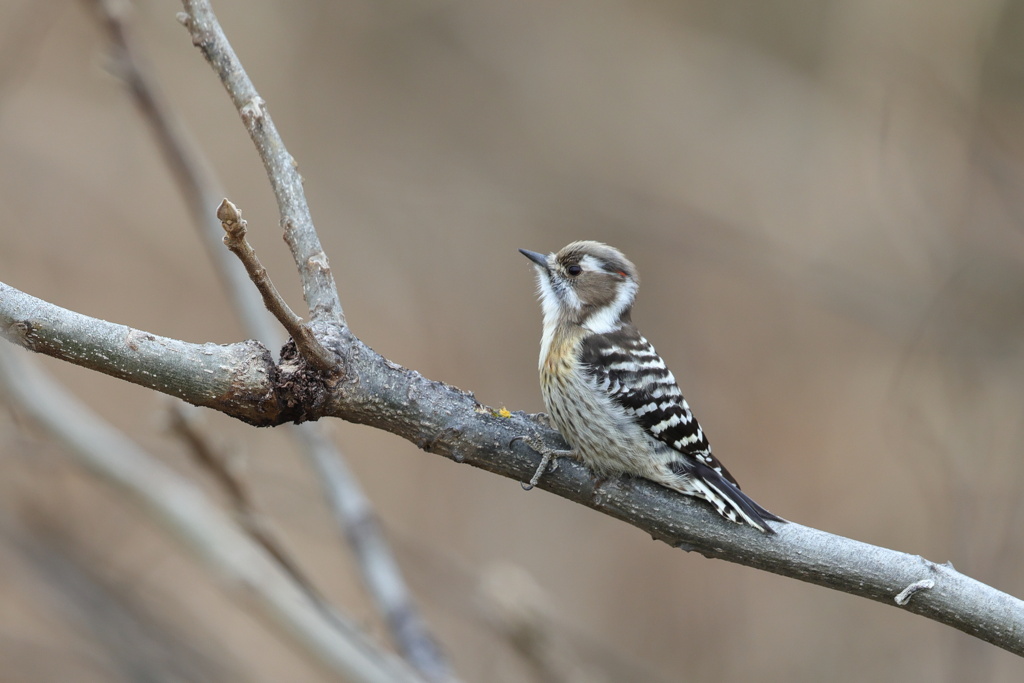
[318,284]
[377,565]
[444,420]
[236,379]
[198,184]
[447,421]
[242,501]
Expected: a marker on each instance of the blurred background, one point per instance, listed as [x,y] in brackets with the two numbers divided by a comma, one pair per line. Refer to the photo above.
[823,200]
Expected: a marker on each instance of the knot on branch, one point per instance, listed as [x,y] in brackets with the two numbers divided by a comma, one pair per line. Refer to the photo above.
[303,390]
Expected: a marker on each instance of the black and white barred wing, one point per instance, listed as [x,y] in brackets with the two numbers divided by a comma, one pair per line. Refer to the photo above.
[629,370]
[625,366]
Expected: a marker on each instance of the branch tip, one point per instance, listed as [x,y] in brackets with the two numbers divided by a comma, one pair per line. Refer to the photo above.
[227,211]
[231,220]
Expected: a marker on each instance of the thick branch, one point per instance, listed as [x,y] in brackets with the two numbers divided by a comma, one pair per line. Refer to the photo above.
[317,280]
[236,379]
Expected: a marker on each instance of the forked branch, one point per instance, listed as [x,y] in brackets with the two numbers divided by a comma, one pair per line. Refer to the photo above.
[306,342]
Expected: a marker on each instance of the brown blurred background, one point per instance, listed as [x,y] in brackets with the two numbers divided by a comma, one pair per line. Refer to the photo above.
[823,200]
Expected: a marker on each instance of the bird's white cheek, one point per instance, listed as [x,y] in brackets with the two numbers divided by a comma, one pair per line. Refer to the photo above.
[604,320]
[609,318]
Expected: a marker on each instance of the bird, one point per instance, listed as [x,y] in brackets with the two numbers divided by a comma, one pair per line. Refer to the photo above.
[610,394]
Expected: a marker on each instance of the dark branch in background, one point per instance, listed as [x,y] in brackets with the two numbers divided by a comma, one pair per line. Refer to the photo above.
[305,341]
[401,616]
[241,499]
[258,581]
[377,565]
[189,168]
[444,420]
[352,511]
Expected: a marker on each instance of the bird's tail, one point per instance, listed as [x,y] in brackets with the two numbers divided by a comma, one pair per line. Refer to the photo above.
[702,481]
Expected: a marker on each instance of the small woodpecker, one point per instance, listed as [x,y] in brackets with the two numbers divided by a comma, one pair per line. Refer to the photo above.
[610,394]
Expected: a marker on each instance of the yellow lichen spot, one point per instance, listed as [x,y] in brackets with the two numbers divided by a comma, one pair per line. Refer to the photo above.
[503,412]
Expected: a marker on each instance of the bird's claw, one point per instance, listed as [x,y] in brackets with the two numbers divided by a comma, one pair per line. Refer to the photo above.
[548,461]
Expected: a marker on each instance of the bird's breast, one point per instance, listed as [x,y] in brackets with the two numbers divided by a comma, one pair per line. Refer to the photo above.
[607,439]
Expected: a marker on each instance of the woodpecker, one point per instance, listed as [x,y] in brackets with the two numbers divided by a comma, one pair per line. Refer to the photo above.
[610,394]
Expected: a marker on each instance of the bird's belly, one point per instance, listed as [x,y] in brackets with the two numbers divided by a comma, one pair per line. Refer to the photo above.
[606,439]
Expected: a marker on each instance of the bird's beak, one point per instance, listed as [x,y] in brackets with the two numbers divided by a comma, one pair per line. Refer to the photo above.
[540,259]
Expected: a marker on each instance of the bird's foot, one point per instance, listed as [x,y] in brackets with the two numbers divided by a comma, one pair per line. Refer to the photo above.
[548,462]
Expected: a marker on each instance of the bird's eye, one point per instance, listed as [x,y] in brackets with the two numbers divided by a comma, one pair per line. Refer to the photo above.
[574,270]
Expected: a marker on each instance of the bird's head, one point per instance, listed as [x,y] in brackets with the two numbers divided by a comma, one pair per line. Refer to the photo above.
[586,283]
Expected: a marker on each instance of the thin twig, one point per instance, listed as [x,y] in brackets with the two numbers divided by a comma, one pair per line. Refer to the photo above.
[199,525]
[318,285]
[306,342]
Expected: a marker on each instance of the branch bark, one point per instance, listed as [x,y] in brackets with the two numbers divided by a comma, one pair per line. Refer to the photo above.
[236,379]
[301,333]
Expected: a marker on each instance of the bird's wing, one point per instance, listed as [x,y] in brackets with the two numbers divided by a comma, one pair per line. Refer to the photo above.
[625,366]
